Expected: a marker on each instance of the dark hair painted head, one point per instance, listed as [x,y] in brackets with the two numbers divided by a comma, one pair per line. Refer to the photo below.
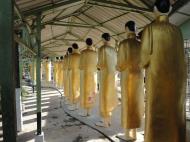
[75,46]
[70,50]
[163,5]
[89,41]
[61,57]
[130,25]
[57,58]
[47,57]
[106,36]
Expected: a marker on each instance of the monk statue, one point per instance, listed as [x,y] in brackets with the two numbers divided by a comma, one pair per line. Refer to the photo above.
[48,69]
[60,72]
[74,77]
[128,63]
[107,60]
[164,61]
[55,71]
[65,77]
[88,62]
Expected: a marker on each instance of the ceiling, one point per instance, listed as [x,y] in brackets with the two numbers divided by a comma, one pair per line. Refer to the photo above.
[67,21]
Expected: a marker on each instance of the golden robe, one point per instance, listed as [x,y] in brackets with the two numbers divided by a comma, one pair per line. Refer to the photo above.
[48,71]
[164,61]
[60,74]
[33,71]
[74,77]
[56,72]
[65,77]
[128,63]
[88,62]
[107,60]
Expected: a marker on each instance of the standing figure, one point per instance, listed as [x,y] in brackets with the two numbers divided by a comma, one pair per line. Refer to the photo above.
[88,62]
[48,70]
[107,60]
[55,71]
[164,60]
[60,72]
[65,74]
[74,75]
[128,63]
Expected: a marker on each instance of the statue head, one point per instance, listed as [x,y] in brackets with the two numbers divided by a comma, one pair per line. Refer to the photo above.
[162,7]
[89,42]
[106,37]
[61,58]
[130,27]
[47,58]
[57,58]
[70,50]
[75,46]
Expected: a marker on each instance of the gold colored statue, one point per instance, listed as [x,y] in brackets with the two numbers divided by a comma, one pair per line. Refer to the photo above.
[164,60]
[74,77]
[107,60]
[55,65]
[132,89]
[60,72]
[88,62]
[65,76]
[48,70]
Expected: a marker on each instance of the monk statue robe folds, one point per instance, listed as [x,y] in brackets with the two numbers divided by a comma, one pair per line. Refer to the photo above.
[128,63]
[55,70]
[88,62]
[164,61]
[107,60]
[48,71]
[74,77]
[66,77]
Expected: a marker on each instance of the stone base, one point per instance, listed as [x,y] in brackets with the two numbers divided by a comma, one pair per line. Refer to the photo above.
[39,138]
[124,139]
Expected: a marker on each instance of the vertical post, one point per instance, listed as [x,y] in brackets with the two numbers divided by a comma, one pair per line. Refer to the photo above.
[7,75]
[18,90]
[38,73]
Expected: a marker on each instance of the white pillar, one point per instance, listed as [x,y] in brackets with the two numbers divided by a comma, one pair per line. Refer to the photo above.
[19,110]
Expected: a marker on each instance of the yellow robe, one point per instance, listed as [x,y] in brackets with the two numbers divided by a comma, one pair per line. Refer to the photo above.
[56,72]
[33,71]
[107,60]
[60,74]
[66,77]
[164,61]
[48,71]
[128,63]
[74,77]
[88,62]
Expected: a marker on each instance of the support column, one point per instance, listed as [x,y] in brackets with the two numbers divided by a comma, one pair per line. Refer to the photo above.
[18,90]
[40,137]
[7,76]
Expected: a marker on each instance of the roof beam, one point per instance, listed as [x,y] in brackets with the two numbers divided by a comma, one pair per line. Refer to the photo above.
[120,6]
[72,25]
[50,6]
[177,5]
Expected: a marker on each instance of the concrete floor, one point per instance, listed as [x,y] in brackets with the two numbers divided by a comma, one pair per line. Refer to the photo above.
[60,127]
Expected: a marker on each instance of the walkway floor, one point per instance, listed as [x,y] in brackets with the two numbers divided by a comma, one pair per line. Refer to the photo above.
[58,126]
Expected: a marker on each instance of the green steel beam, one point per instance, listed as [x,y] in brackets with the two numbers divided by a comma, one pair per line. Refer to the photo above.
[23,44]
[120,6]
[177,5]
[60,35]
[38,74]
[7,75]
[72,25]
[50,6]
[148,4]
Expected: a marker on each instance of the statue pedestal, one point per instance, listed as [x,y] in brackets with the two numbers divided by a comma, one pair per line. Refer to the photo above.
[124,139]
[39,138]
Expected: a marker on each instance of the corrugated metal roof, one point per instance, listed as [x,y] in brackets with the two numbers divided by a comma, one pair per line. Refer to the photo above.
[94,19]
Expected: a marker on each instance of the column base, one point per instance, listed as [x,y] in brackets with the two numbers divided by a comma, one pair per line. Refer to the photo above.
[39,138]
